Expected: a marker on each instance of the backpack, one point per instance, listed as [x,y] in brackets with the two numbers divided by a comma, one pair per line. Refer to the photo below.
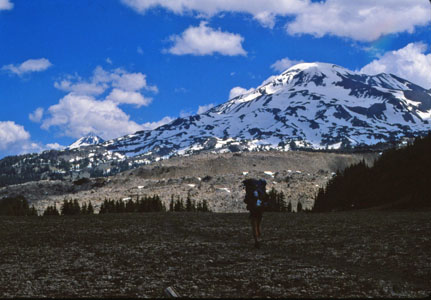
[255,194]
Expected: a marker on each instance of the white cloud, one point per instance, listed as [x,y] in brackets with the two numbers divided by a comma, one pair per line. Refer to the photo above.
[237,91]
[263,11]
[6,5]
[154,125]
[54,146]
[93,105]
[83,88]
[14,139]
[364,20]
[127,97]
[411,63]
[12,135]
[77,115]
[283,64]
[204,108]
[31,65]
[266,18]
[131,81]
[203,40]
[109,61]
[101,80]
[37,115]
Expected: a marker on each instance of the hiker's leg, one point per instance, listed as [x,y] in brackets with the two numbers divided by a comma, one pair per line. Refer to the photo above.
[258,222]
[253,223]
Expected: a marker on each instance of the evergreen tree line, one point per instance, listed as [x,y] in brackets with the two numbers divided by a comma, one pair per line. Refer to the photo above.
[70,208]
[144,204]
[277,202]
[51,211]
[190,205]
[16,206]
[399,179]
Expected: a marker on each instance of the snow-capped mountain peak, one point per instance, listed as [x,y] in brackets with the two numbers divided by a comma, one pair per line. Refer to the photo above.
[89,139]
[310,105]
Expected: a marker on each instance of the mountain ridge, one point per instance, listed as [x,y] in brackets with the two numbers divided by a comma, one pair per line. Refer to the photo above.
[310,106]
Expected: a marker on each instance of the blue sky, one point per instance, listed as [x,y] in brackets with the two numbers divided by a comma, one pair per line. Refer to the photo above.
[113,67]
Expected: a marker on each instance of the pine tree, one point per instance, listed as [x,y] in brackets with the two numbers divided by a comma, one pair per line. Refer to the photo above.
[272,199]
[51,211]
[299,207]
[205,206]
[16,206]
[171,204]
[188,203]
[102,209]
[289,207]
[179,205]
[76,207]
[84,209]
[163,206]
[47,211]
[130,206]
[319,202]
[32,211]
[281,202]
[90,209]
[199,206]
[65,208]
[119,206]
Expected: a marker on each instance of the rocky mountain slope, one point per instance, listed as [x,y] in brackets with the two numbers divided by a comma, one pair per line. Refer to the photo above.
[214,177]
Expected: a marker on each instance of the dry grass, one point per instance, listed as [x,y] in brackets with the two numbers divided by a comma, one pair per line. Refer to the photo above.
[357,254]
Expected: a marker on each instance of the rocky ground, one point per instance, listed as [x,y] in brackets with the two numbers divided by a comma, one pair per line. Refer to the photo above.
[349,254]
[214,177]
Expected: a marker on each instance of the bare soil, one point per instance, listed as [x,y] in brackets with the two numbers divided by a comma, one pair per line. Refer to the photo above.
[349,254]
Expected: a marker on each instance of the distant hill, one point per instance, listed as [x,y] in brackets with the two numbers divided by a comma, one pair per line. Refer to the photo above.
[399,179]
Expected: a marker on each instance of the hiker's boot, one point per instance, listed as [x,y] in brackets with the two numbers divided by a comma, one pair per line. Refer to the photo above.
[257,244]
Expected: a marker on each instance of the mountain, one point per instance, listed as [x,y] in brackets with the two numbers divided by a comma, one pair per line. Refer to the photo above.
[89,139]
[310,105]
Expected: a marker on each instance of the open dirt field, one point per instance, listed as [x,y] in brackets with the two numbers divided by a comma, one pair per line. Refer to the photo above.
[355,254]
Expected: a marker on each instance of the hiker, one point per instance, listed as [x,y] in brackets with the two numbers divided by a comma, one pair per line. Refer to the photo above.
[256,200]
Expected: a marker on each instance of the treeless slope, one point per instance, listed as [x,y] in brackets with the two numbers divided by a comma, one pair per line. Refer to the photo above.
[214,177]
